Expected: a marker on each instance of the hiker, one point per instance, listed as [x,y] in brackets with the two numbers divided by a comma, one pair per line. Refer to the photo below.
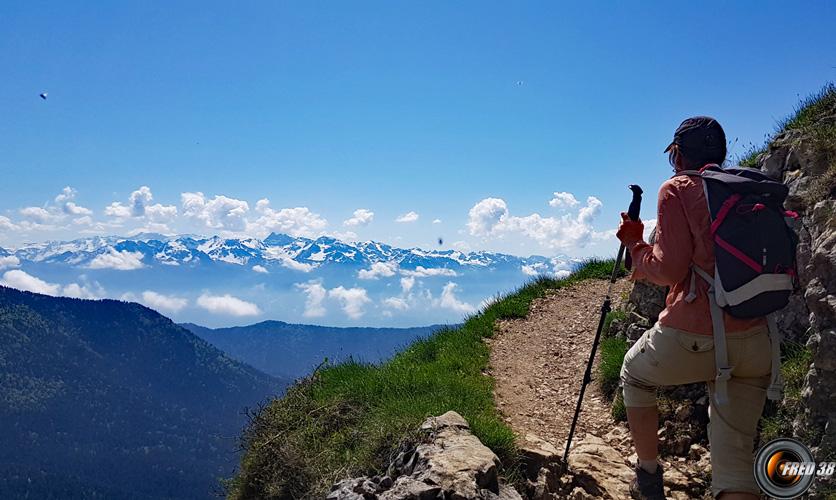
[680,347]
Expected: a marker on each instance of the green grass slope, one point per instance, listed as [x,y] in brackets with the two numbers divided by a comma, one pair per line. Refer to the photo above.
[811,117]
[346,420]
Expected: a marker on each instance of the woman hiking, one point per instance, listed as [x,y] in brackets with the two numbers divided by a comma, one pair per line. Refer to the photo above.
[679,348]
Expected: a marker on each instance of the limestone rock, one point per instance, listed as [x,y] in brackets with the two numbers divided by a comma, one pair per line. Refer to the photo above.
[448,463]
[648,300]
[537,454]
[599,469]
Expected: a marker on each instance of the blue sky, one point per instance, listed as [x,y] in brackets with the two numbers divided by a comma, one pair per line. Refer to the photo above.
[325,108]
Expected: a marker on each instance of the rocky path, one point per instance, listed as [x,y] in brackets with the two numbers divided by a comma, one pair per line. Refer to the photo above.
[538,363]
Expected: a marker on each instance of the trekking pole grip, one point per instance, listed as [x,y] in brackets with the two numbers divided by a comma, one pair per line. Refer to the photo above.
[633,213]
[636,202]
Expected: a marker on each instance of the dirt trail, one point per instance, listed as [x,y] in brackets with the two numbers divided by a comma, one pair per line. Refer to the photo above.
[538,363]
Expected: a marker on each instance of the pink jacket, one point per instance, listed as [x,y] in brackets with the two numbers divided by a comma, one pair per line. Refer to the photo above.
[682,237]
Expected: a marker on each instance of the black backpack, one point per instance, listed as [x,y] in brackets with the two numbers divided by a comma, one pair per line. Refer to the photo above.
[755,257]
[754,248]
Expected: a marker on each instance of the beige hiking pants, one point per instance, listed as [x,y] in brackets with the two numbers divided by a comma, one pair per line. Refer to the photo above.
[667,356]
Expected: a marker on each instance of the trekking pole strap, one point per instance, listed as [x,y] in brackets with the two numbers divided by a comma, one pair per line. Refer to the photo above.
[775,391]
[721,355]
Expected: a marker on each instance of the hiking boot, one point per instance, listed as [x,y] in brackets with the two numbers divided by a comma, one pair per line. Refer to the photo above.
[647,486]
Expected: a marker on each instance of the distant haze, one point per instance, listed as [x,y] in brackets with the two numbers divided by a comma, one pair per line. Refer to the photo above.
[225,282]
[293,351]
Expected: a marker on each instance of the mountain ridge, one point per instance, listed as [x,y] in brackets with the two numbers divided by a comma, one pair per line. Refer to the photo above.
[275,248]
[111,399]
[292,351]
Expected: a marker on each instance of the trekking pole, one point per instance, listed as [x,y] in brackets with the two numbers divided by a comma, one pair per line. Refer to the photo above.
[633,213]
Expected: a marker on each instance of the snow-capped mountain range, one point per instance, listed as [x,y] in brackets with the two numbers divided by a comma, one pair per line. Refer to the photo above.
[280,276]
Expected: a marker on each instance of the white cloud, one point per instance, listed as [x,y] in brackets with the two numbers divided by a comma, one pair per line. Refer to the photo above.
[227,304]
[461,246]
[316,296]
[604,235]
[37,214]
[24,281]
[219,212]
[82,292]
[588,213]
[64,204]
[407,283]
[9,261]
[72,209]
[396,303]
[491,218]
[436,221]
[563,200]
[165,303]
[377,270]
[139,207]
[562,273]
[535,269]
[448,300]
[161,213]
[423,272]
[278,253]
[298,221]
[297,266]
[486,215]
[120,260]
[351,300]
[117,210]
[139,199]
[649,226]
[408,217]
[6,224]
[68,206]
[361,217]
[260,269]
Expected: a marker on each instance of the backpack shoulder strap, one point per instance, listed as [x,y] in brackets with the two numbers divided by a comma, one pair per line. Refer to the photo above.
[721,355]
[695,173]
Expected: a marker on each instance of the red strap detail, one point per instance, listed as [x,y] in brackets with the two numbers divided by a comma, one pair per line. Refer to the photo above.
[738,254]
[790,213]
[724,211]
[758,207]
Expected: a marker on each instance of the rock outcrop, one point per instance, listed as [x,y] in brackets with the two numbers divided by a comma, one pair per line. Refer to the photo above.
[805,160]
[448,462]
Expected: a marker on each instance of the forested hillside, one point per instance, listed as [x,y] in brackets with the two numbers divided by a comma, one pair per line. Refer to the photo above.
[110,399]
[290,351]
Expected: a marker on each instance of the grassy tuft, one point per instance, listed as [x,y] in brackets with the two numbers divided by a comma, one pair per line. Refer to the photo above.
[777,419]
[619,411]
[612,354]
[806,116]
[349,419]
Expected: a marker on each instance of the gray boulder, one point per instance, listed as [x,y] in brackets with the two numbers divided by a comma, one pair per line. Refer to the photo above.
[449,462]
